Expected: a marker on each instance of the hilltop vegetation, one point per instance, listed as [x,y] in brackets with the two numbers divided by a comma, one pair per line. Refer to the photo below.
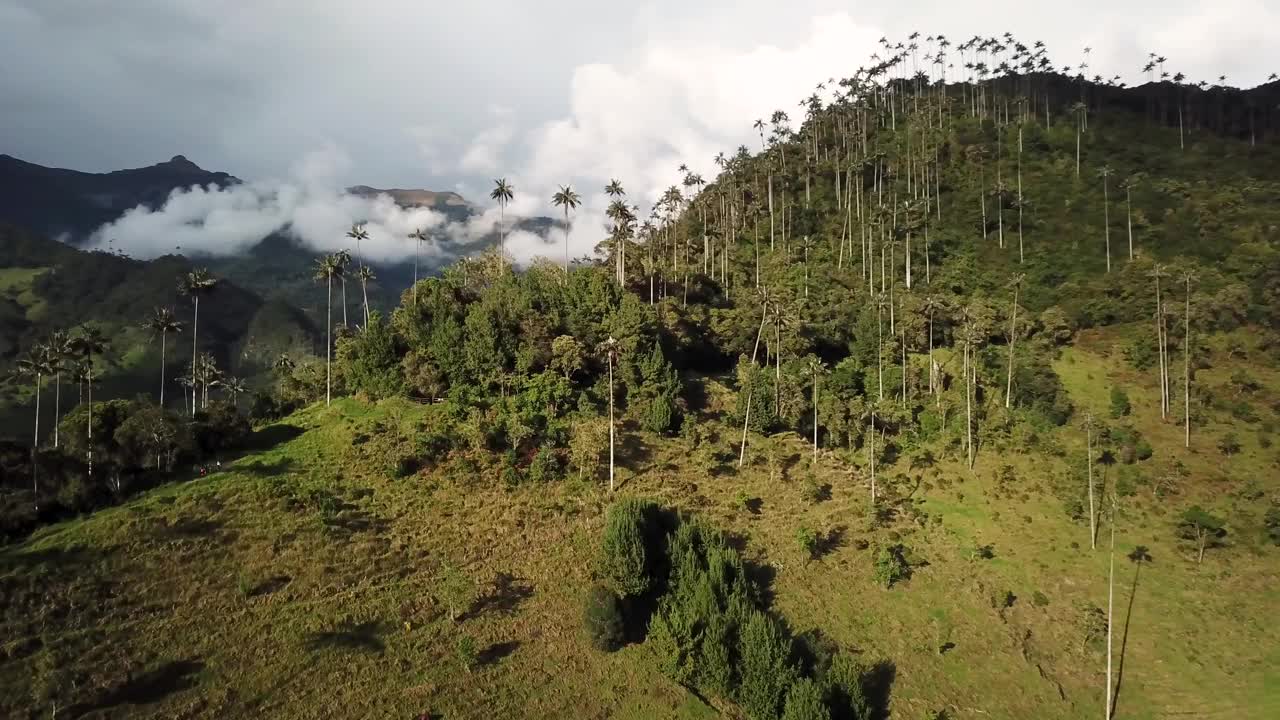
[958,400]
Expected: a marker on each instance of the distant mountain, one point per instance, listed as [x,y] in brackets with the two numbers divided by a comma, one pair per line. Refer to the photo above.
[70,205]
[450,203]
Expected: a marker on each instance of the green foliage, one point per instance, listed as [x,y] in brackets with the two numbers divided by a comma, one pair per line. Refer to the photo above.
[465,651]
[846,690]
[1271,523]
[808,540]
[1201,528]
[891,565]
[1039,599]
[456,590]
[805,702]
[603,619]
[1119,402]
[766,672]
[629,550]
[369,361]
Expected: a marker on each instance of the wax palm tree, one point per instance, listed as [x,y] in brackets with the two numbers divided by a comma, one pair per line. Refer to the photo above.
[568,200]
[89,342]
[1129,184]
[1105,172]
[358,233]
[417,236]
[614,189]
[1081,111]
[502,192]
[162,322]
[36,365]
[1187,277]
[816,370]
[366,275]
[197,284]
[284,364]
[342,260]
[1016,282]
[325,269]
[233,386]
[610,349]
[60,355]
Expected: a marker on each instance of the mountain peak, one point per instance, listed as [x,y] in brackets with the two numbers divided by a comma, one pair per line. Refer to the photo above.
[180,162]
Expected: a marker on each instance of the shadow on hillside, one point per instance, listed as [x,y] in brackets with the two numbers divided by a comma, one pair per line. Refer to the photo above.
[265,469]
[185,528]
[496,652]
[49,559]
[507,595]
[270,585]
[147,688]
[364,637]
[351,520]
[271,436]
[878,685]
[830,542]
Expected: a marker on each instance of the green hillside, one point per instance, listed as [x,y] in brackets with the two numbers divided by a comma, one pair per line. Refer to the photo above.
[945,408]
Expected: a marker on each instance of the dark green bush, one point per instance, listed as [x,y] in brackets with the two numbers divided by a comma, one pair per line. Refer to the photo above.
[603,619]
[627,557]
[805,702]
[765,668]
[891,565]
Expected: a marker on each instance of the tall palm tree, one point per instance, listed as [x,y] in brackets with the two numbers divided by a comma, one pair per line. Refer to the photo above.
[567,199]
[326,267]
[60,354]
[342,260]
[366,274]
[1105,172]
[36,364]
[1129,184]
[283,364]
[1016,282]
[417,236]
[1081,112]
[162,322]
[233,386]
[610,349]
[502,192]
[816,369]
[358,233]
[195,285]
[1187,277]
[89,342]
[1088,459]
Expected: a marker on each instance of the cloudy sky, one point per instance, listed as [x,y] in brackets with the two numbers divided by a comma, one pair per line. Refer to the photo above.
[449,95]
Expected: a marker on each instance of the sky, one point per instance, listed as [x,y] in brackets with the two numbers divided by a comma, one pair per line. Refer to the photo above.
[303,99]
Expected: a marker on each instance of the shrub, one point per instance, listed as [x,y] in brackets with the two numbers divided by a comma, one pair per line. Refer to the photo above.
[1272,524]
[765,668]
[1120,406]
[812,491]
[891,565]
[465,649]
[456,590]
[626,560]
[846,692]
[1039,599]
[603,619]
[804,702]
[406,465]
[545,466]
[807,537]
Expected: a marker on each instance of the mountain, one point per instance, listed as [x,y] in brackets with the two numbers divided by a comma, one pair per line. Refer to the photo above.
[451,204]
[70,204]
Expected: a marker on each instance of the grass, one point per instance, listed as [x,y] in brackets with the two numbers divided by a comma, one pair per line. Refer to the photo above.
[305,578]
[17,283]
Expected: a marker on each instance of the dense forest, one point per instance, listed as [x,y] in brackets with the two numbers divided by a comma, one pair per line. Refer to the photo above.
[896,293]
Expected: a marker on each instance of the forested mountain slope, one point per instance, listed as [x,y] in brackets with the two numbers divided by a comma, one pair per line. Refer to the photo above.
[954,400]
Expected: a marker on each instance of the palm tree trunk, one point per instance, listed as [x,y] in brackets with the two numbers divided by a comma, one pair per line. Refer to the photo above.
[968,402]
[417,245]
[364,288]
[815,415]
[328,341]
[89,385]
[1013,333]
[35,451]
[1093,521]
[1106,222]
[1164,388]
[344,300]
[57,405]
[566,243]
[871,454]
[1111,584]
[746,418]
[1128,211]
[195,329]
[611,431]
[163,335]
[1186,370]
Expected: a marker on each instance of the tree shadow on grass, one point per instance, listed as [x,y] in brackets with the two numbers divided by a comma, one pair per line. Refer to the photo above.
[270,585]
[149,687]
[265,469]
[506,596]
[271,436]
[877,683]
[351,520]
[496,652]
[362,637]
[831,541]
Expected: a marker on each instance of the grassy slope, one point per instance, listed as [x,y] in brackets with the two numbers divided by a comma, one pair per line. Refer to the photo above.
[243,598]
